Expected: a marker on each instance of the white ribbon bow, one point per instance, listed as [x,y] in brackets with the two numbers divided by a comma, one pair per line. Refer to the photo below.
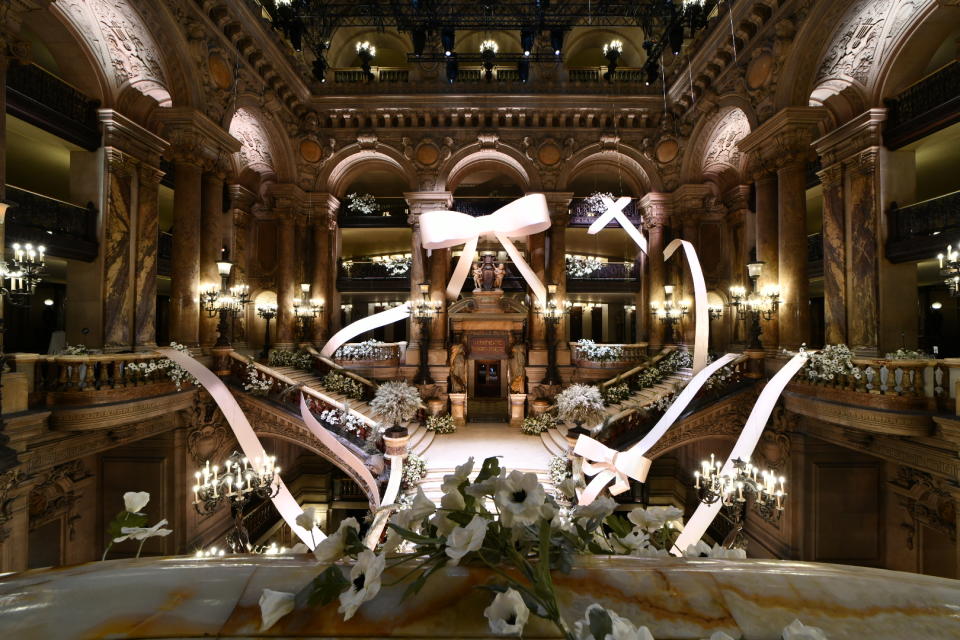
[609,464]
[444,229]
[614,211]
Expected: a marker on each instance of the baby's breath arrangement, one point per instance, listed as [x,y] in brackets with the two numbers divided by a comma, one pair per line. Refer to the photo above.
[414,469]
[616,393]
[580,403]
[337,383]
[830,363]
[177,374]
[441,424]
[395,402]
[559,469]
[535,425]
[590,350]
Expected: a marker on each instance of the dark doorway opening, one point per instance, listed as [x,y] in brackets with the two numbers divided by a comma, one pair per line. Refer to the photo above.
[486,379]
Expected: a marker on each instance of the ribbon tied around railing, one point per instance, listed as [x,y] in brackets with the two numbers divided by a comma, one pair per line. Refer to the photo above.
[607,464]
[444,229]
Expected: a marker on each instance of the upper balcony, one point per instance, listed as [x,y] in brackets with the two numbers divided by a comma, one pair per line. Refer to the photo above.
[924,107]
[583,214]
[388,212]
[370,275]
[65,229]
[917,231]
[44,100]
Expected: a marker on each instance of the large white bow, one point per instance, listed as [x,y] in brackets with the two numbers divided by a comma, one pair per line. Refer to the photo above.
[523,217]
[614,211]
[609,464]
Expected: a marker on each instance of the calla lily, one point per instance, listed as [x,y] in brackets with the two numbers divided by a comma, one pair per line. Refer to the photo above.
[331,548]
[598,509]
[307,519]
[621,628]
[796,630]
[364,582]
[273,606]
[507,614]
[135,501]
[463,540]
[452,482]
[142,533]
[519,496]
[699,550]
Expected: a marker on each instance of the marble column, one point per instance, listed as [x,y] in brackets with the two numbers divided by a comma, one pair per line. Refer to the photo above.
[691,228]
[237,237]
[185,255]
[118,285]
[794,282]
[321,267]
[211,246]
[287,285]
[656,214]
[418,202]
[148,230]
[439,274]
[559,204]
[834,256]
[768,252]
[537,247]
[642,299]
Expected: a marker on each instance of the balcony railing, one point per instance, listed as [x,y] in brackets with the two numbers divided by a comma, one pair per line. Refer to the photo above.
[924,107]
[393,213]
[67,230]
[919,231]
[386,354]
[44,100]
[632,354]
[581,214]
[610,271]
[480,206]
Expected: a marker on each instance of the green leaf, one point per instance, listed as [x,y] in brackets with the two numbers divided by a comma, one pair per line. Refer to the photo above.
[601,624]
[415,538]
[323,589]
[460,517]
[490,469]
[125,519]
[543,565]
[620,527]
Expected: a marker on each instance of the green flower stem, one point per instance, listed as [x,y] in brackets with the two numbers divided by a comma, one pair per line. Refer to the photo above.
[140,548]
[105,551]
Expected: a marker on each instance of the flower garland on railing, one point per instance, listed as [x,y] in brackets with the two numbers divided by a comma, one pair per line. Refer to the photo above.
[397,266]
[255,383]
[590,350]
[617,393]
[583,266]
[336,383]
[414,470]
[441,424]
[833,362]
[345,422]
[535,425]
[362,204]
[177,374]
[75,350]
[289,358]
[523,539]
[593,203]
[366,350]
[908,354]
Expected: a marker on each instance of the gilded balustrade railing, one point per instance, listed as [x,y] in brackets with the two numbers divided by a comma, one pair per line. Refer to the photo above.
[91,372]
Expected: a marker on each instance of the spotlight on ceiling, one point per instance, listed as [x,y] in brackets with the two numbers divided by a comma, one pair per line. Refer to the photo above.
[675,35]
[448,39]
[523,70]
[452,70]
[652,68]
[419,41]
[556,40]
[526,41]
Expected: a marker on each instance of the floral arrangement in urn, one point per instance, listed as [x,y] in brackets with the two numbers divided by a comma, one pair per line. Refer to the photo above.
[441,424]
[506,522]
[395,402]
[580,403]
[590,350]
[362,204]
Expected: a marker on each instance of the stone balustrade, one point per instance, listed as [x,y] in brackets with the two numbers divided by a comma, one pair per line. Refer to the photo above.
[632,353]
[386,354]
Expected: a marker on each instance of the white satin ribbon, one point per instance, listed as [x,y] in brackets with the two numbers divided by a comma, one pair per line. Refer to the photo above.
[523,217]
[609,465]
[614,211]
[363,325]
[340,451]
[701,305]
[249,442]
[596,451]
[698,524]
[389,498]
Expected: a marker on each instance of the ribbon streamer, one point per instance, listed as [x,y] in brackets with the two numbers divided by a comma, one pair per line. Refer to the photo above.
[444,229]
[597,452]
[363,325]
[702,330]
[388,506]
[614,211]
[698,524]
[340,451]
[609,465]
[249,442]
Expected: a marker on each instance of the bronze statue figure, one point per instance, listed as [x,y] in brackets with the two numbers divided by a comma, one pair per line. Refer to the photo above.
[458,368]
[517,368]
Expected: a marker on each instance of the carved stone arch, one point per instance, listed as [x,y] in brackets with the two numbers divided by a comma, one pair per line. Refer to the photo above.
[343,167]
[631,160]
[724,420]
[489,152]
[585,38]
[265,147]
[126,51]
[344,41]
[713,154]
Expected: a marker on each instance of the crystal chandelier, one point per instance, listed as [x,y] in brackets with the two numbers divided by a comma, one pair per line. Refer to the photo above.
[22,273]
[950,269]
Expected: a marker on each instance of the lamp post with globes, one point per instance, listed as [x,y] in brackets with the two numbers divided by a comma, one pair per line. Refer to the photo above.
[671,311]
[553,312]
[267,311]
[224,301]
[753,305]
[305,309]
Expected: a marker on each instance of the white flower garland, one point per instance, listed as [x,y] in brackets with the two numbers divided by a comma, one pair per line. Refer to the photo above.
[830,363]
[441,424]
[414,469]
[594,352]
[559,469]
[362,204]
[583,266]
[255,384]
[594,202]
[366,350]
[397,266]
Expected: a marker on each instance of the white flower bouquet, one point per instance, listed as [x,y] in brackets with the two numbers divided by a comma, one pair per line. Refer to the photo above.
[255,384]
[535,425]
[441,424]
[366,350]
[831,365]
[362,204]
[398,266]
[75,350]
[289,358]
[337,383]
[590,350]
[395,402]
[594,202]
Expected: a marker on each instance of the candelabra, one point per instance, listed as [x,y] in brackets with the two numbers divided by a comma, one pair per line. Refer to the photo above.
[553,312]
[755,304]
[366,51]
[488,54]
[305,309]
[715,311]
[23,272]
[950,269]
[223,301]
[612,51]
[736,487]
[240,482]
[267,311]
[670,312]
[423,312]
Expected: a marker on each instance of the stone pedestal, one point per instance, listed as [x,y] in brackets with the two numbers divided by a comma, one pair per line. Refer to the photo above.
[755,365]
[436,406]
[15,391]
[395,441]
[517,402]
[539,406]
[458,408]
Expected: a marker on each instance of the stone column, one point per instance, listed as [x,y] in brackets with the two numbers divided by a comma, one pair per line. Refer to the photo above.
[439,274]
[559,204]
[211,246]
[116,249]
[537,247]
[642,299]
[185,256]
[15,520]
[237,238]
[794,282]
[768,251]
[691,228]
[286,281]
[656,215]
[418,202]
[834,256]
[323,215]
[148,230]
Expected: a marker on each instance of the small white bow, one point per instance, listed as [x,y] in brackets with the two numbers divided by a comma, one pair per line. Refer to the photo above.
[609,465]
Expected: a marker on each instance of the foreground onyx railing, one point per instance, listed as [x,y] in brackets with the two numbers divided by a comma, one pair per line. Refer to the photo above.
[924,107]
[44,100]
[919,231]
[65,229]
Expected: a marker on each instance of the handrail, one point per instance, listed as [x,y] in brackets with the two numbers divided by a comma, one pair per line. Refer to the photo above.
[373,386]
[626,375]
[633,352]
[89,372]
[914,378]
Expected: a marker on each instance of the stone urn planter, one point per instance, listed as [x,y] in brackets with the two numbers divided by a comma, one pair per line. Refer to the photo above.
[676,598]
[395,440]
[436,406]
